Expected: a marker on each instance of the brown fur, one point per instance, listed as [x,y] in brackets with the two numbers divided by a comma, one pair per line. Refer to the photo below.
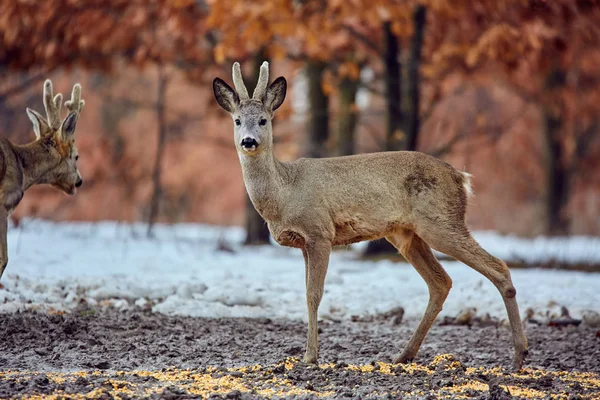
[50,159]
[415,201]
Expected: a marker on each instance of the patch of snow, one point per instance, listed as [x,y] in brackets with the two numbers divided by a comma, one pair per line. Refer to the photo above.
[61,265]
[571,250]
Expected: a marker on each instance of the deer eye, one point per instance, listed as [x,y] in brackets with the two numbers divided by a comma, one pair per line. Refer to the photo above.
[262,122]
[238,122]
[77,157]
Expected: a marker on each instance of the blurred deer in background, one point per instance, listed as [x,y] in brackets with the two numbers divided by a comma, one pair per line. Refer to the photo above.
[51,158]
[415,201]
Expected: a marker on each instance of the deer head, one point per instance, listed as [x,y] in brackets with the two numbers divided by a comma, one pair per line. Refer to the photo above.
[252,117]
[57,137]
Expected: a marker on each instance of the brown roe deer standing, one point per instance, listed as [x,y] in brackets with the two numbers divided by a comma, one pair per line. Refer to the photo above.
[50,159]
[415,201]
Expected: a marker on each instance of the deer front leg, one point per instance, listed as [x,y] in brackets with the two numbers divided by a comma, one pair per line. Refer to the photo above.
[316,259]
[3,243]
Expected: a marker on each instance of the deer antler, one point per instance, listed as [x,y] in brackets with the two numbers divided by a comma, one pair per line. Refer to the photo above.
[238,82]
[52,104]
[76,103]
[263,81]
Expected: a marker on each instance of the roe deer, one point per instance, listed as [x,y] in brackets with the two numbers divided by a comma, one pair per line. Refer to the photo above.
[51,158]
[415,201]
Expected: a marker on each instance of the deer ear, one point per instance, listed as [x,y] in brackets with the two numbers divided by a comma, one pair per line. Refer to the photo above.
[40,126]
[275,94]
[225,95]
[68,125]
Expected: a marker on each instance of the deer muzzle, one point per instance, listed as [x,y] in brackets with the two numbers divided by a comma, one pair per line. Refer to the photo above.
[249,144]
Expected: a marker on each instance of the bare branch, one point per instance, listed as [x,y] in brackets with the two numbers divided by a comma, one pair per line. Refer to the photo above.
[371,89]
[123,102]
[583,144]
[298,57]
[368,42]
[372,133]
[20,87]
[505,126]
[427,113]
[446,148]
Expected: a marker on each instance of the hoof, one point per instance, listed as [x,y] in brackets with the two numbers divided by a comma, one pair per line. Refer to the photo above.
[309,359]
[403,358]
[519,359]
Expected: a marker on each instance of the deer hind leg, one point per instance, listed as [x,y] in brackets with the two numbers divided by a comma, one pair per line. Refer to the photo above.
[419,254]
[461,245]
[316,259]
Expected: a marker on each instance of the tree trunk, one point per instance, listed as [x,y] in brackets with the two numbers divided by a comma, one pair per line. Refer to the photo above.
[411,112]
[160,149]
[348,117]
[395,138]
[318,120]
[557,176]
[257,231]
[393,95]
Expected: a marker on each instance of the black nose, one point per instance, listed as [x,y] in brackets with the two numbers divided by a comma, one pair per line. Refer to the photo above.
[79,182]
[248,143]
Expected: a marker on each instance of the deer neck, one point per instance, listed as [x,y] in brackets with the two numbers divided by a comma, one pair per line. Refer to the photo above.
[264,177]
[36,161]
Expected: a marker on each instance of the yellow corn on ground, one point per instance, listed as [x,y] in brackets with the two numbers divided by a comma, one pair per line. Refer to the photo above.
[260,381]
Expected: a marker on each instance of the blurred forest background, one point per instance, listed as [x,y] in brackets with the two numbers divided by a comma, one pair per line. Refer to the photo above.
[506,90]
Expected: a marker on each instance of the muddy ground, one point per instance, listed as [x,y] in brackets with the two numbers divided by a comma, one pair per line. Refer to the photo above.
[103,353]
